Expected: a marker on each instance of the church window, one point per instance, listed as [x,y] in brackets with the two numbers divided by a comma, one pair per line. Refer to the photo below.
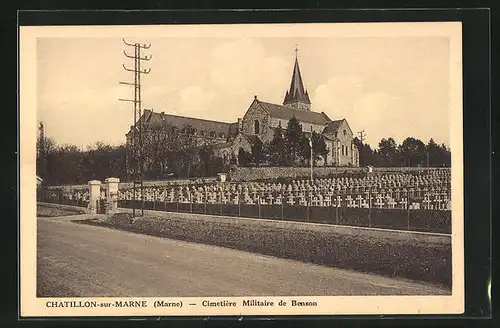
[345,132]
[342,150]
[279,123]
[257,127]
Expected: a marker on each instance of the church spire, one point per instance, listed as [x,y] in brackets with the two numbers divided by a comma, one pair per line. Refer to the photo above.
[297,96]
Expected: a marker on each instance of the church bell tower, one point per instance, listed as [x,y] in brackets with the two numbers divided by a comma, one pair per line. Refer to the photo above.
[297,96]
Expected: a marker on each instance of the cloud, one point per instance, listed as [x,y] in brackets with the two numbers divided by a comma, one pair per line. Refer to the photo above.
[85,116]
[195,98]
[242,67]
[365,109]
[338,93]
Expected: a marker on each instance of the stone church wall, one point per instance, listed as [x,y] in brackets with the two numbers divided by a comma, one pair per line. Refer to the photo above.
[257,113]
[345,140]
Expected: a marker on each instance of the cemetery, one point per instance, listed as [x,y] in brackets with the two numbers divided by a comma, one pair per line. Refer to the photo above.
[415,201]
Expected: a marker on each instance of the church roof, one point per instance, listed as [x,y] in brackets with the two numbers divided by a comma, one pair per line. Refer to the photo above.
[253,139]
[285,112]
[151,118]
[333,126]
[297,91]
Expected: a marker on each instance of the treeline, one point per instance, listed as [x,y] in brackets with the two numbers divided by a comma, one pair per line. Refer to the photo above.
[170,151]
[68,164]
[289,147]
[411,152]
[184,153]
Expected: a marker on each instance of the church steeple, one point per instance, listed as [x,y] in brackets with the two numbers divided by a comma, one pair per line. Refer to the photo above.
[297,96]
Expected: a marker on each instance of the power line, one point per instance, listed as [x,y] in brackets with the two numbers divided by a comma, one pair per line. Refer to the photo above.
[137,149]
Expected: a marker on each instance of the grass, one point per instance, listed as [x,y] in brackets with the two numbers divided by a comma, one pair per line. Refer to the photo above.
[409,259]
[43,210]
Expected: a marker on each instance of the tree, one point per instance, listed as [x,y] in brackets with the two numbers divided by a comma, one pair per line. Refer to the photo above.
[445,156]
[376,159]
[168,148]
[433,153]
[257,152]
[44,148]
[388,152]
[366,156]
[244,157]
[319,147]
[206,152]
[276,149]
[412,152]
[437,155]
[294,142]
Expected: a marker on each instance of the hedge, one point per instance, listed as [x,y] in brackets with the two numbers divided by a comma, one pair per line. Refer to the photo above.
[436,221]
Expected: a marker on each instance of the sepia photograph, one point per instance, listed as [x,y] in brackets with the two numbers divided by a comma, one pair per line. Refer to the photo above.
[241,169]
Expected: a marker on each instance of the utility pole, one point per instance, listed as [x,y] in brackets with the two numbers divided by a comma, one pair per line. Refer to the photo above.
[311,146]
[41,150]
[137,147]
[41,136]
[362,136]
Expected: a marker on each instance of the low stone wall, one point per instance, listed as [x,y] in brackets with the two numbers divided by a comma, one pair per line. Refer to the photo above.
[265,173]
[147,183]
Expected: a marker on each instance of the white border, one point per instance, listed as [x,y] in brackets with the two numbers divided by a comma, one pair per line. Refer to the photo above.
[33,306]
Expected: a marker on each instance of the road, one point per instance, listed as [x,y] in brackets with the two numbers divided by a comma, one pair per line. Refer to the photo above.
[88,261]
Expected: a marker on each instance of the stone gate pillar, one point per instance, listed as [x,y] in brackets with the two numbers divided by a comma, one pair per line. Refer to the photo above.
[111,195]
[94,196]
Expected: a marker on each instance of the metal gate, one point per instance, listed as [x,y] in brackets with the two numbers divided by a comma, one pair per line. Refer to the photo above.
[101,206]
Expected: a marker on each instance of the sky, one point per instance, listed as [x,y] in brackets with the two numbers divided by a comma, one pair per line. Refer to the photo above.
[387,87]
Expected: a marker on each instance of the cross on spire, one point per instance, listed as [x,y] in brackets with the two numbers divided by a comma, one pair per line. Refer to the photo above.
[297,96]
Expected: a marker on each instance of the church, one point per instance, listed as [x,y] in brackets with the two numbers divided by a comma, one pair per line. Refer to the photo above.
[260,120]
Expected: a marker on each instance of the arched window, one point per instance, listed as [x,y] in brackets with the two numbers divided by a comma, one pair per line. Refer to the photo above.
[257,127]
[345,132]
[342,150]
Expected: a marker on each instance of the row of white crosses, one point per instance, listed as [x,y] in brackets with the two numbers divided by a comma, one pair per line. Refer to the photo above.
[346,185]
[79,195]
[398,187]
[156,193]
[386,199]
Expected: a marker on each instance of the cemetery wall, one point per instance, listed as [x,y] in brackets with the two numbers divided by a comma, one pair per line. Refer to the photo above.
[263,173]
[411,259]
[147,183]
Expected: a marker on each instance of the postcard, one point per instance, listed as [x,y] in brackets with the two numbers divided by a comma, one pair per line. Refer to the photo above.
[241,169]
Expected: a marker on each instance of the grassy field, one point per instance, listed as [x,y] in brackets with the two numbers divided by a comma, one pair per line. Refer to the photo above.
[371,252]
[52,210]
